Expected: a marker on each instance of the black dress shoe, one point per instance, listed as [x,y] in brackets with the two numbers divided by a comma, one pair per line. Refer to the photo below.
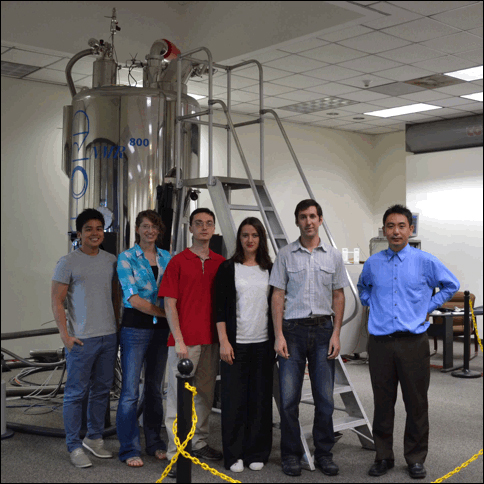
[327,466]
[291,466]
[380,467]
[417,471]
[172,473]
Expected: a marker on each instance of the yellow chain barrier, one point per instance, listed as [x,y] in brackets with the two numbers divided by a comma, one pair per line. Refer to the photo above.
[181,447]
[475,325]
[457,469]
[475,456]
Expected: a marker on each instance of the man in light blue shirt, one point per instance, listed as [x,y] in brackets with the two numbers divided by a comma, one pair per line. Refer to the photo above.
[308,278]
[397,285]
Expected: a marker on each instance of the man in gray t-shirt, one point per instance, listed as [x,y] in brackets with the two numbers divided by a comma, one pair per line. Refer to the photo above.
[85,282]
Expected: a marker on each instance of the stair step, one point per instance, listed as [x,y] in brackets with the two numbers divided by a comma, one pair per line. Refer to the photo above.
[339,424]
[253,208]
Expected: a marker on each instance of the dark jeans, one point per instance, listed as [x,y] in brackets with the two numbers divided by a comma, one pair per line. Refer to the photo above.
[311,343]
[90,369]
[140,346]
[247,404]
[405,360]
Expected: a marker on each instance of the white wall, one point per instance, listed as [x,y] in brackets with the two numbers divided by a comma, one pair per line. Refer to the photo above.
[34,204]
[446,188]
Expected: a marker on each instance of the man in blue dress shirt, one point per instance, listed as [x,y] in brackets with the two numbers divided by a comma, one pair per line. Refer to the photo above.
[397,285]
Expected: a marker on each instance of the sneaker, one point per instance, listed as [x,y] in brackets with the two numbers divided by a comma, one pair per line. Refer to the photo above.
[207,453]
[256,466]
[79,458]
[238,466]
[97,448]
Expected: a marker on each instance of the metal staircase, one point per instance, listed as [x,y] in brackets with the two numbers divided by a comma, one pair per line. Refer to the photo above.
[220,189]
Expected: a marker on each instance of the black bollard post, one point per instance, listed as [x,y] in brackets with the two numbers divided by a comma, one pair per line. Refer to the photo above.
[465,372]
[184,419]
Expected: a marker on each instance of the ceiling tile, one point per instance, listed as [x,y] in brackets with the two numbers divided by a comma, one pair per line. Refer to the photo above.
[452,101]
[345,33]
[395,15]
[244,96]
[430,8]
[370,63]
[269,73]
[298,81]
[303,46]
[452,44]
[473,55]
[360,81]
[404,73]
[329,123]
[82,66]
[374,42]
[331,89]
[18,56]
[396,89]
[237,82]
[411,53]
[301,96]
[420,30]
[275,102]
[391,102]
[364,96]
[333,73]
[426,96]
[50,75]
[360,108]
[270,89]
[465,18]
[332,53]
[458,89]
[295,63]
[268,56]
[304,118]
[448,63]
[478,31]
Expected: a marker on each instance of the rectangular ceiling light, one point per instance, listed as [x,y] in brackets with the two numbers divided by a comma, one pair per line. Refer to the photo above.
[472,74]
[477,96]
[410,109]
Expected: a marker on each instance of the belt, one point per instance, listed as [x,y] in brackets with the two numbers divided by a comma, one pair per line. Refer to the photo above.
[397,334]
[316,321]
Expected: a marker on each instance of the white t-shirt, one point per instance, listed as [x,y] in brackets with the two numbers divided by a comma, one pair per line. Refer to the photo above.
[252,286]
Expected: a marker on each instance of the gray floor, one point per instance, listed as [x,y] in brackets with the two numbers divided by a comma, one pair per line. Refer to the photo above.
[456,434]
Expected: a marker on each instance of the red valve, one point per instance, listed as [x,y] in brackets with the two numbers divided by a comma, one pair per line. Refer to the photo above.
[172,52]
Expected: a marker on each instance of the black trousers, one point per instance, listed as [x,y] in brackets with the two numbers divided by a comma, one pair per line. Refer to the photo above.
[247,404]
[405,360]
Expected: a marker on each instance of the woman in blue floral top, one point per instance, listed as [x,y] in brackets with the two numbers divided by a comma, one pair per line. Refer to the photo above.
[144,333]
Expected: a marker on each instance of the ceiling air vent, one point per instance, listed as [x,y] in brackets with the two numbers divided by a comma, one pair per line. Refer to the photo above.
[318,105]
[17,70]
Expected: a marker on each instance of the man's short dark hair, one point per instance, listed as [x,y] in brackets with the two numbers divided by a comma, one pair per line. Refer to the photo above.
[86,215]
[201,210]
[305,204]
[402,210]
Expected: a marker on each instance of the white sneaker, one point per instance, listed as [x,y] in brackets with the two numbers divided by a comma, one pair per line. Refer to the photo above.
[79,458]
[256,466]
[238,466]
[97,448]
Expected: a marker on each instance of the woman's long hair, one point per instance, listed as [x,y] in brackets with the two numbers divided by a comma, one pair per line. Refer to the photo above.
[262,257]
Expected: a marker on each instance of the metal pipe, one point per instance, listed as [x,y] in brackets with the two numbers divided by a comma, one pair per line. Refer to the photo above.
[29,334]
[194,115]
[247,123]
[311,194]
[70,65]
[229,138]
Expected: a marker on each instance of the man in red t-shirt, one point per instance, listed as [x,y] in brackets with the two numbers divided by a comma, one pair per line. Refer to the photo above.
[187,288]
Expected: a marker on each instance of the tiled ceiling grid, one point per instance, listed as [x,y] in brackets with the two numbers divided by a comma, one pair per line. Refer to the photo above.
[367,64]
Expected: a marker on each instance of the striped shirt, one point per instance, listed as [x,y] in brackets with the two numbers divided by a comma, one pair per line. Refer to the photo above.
[308,278]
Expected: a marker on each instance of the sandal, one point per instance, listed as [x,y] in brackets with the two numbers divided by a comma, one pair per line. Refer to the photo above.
[134,461]
[160,454]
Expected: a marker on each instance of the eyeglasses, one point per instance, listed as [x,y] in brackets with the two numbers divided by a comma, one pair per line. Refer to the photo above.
[200,224]
[148,227]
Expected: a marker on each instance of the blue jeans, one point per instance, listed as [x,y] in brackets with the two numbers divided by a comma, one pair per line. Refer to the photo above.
[140,346]
[90,368]
[309,342]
